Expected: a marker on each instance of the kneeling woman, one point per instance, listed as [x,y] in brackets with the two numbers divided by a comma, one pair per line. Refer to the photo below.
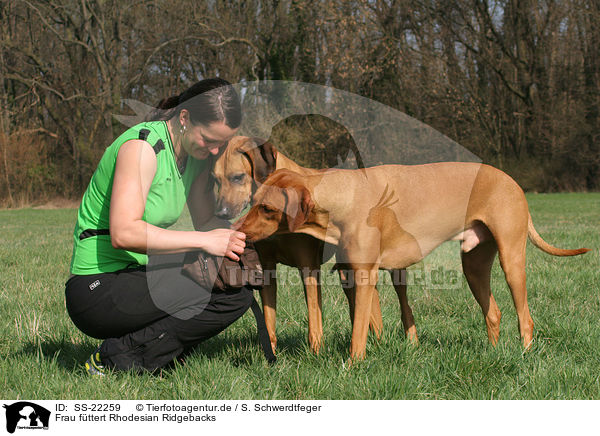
[126,286]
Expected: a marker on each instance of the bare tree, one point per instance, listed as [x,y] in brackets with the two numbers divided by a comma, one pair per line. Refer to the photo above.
[515,81]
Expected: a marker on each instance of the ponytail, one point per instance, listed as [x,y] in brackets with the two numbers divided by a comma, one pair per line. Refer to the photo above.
[165,109]
[207,101]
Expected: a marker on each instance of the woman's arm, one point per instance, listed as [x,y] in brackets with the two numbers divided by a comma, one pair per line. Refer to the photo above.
[135,169]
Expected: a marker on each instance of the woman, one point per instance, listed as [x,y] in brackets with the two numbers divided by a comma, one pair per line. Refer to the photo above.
[124,288]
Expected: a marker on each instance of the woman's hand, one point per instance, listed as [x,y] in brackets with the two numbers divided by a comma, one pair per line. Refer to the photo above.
[224,242]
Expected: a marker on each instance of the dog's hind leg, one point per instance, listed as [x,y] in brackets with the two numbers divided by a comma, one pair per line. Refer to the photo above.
[477,267]
[509,228]
[408,321]
[512,260]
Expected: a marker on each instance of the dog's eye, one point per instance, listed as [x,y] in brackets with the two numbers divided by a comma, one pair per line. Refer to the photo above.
[266,209]
[237,178]
[216,181]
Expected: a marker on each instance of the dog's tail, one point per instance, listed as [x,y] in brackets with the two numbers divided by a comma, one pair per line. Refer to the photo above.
[537,240]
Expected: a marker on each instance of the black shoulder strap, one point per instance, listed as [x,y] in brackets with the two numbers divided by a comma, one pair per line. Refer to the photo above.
[158,147]
[144,133]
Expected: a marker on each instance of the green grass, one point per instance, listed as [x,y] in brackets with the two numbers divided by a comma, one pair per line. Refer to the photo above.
[41,352]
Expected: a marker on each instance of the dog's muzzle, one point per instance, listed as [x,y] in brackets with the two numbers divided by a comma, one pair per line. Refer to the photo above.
[226,212]
[223,213]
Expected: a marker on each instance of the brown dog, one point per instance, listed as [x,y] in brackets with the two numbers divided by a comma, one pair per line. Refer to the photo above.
[243,166]
[392,216]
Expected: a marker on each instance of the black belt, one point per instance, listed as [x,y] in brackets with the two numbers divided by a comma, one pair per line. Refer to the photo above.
[93,232]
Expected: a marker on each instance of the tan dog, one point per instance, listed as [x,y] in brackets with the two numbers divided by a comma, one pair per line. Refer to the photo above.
[392,216]
[243,166]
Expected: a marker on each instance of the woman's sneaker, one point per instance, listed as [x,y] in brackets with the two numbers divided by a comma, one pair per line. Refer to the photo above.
[94,365]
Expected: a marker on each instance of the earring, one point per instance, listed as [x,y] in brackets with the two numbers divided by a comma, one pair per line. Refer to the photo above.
[182,129]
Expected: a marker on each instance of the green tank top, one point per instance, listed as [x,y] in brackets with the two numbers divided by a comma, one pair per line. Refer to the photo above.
[92,249]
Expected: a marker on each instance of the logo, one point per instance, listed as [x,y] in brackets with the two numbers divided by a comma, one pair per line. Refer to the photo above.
[94,285]
[25,415]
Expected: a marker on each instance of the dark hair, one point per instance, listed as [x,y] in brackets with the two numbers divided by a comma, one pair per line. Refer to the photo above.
[207,101]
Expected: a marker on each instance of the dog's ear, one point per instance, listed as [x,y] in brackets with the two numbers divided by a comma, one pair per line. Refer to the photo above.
[262,156]
[299,205]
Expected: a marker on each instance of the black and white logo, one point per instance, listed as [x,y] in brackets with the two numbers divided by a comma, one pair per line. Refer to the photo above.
[26,415]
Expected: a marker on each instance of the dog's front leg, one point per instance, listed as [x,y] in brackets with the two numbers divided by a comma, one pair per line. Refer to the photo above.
[312,292]
[376,320]
[399,281]
[365,279]
[268,296]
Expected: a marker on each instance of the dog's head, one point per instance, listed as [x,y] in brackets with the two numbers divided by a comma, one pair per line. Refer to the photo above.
[281,205]
[243,166]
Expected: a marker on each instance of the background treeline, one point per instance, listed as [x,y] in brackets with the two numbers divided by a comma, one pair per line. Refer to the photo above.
[515,81]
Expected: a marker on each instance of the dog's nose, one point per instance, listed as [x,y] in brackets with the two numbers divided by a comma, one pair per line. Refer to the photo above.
[224,213]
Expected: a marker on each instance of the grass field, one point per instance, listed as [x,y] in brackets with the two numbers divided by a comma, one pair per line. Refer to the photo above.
[41,352]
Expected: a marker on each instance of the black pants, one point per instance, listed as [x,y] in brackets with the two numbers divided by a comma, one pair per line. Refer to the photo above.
[148,316]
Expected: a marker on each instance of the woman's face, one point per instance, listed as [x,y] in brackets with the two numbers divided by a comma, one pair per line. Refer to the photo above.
[200,141]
